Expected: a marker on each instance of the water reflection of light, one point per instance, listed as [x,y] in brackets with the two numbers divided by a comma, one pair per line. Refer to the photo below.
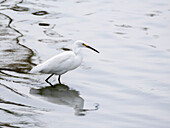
[62,95]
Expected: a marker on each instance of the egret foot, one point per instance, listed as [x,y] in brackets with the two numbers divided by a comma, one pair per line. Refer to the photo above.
[59,79]
[48,79]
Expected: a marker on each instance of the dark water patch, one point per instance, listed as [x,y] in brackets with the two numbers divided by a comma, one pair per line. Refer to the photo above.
[81,1]
[66,49]
[151,15]
[153,46]
[19,9]
[8,4]
[40,13]
[53,41]
[20,79]
[17,117]
[14,56]
[145,28]
[88,14]
[47,41]
[8,125]
[6,33]
[120,33]
[9,112]
[2,1]
[13,103]
[3,73]
[12,90]
[52,33]
[158,12]
[124,26]
[15,68]
[21,1]
[4,39]
[9,50]
[20,67]
[44,24]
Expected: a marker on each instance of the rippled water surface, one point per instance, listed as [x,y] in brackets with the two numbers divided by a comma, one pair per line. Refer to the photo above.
[127,85]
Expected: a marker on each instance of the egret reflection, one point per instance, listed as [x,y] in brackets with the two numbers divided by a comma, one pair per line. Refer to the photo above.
[62,95]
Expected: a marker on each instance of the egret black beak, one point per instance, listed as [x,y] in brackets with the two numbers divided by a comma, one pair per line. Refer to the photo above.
[90,48]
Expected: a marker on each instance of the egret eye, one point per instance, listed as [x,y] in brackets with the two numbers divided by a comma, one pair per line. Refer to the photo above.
[84,44]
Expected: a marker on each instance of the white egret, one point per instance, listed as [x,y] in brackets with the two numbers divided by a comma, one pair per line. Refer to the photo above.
[62,62]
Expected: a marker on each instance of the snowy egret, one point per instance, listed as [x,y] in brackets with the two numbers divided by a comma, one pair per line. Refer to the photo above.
[62,62]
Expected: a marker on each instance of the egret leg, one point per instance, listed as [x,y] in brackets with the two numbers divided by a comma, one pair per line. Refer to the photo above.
[59,79]
[48,79]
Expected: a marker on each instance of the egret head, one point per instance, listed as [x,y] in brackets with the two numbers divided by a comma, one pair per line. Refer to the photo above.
[81,44]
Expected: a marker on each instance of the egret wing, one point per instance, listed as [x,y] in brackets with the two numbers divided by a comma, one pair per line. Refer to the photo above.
[58,64]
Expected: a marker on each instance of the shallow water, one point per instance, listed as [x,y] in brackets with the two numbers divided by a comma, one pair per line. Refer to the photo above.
[125,86]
